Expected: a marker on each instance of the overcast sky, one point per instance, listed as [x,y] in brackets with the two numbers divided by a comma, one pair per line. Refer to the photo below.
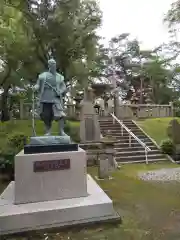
[142,18]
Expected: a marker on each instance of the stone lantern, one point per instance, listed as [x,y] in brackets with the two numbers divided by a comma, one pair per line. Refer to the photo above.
[78,98]
[103,90]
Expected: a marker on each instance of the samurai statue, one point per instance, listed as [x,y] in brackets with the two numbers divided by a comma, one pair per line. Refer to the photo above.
[51,88]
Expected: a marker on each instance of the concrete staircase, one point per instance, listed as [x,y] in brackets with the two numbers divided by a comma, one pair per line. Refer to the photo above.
[125,153]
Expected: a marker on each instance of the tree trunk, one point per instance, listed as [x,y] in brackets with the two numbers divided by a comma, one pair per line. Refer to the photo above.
[4,105]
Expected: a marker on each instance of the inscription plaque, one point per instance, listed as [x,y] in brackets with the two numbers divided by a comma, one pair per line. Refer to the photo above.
[51,165]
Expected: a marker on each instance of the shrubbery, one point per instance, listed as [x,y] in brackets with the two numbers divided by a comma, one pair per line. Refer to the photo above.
[16,140]
[167,147]
[14,144]
[72,129]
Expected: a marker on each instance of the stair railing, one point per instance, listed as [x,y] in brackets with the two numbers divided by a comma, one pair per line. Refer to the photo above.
[131,135]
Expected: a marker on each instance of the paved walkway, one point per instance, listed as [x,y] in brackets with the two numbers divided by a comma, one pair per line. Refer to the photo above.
[165,175]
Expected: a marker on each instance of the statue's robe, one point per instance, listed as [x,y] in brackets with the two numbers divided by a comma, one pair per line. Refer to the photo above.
[51,88]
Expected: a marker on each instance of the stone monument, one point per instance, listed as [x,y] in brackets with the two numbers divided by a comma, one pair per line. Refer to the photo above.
[52,187]
[89,124]
[51,88]
[173,131]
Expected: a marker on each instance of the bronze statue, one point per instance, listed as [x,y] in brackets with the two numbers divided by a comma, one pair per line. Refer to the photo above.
[51,88]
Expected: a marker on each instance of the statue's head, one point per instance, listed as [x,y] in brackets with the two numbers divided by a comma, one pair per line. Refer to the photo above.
[52,65]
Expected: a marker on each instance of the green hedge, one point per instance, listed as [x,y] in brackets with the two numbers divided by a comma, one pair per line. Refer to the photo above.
[167,146]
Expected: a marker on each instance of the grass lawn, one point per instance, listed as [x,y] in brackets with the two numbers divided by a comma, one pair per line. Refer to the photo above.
[149,211]
[156,128]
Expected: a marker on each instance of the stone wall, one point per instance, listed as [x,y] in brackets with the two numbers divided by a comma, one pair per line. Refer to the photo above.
[129,111]
[124,111]
[25,110]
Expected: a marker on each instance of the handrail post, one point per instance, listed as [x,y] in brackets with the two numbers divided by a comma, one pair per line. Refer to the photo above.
[130,140]
[146,156]
[122,132]
[113,119]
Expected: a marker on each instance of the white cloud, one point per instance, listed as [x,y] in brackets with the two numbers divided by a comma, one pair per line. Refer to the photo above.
[142,18]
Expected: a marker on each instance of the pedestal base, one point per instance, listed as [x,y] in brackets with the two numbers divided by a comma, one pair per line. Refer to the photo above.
[50,176]
[36,149]
[97,206]
[48,140]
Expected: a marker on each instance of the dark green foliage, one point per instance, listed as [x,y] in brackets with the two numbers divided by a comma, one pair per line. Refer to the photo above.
[167,147]
[7,165]
[176,106]
[29,29]
[72,129]
[16,140]
[74,133]
[177,112]
[14,144]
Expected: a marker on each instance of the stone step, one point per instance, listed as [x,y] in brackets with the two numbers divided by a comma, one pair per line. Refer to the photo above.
[105,120]
[114,126]
[135,153]
[126,135]
[133,144]
[119,133]
[118,129]
[143,138]
[110,124]
[128,123]
[133,149]
[111,121]
[115,122]
[138,158]
[142,161]
[131,127]
[122,142]
[118,126]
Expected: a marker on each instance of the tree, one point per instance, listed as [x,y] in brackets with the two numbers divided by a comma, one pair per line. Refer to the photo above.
[145,74]
[12,49]
[160,79]
[172,16]
[66,27]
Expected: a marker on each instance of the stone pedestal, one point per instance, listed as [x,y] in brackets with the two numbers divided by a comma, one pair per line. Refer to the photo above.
[107,163]
[48,140]
[89,123]
[52,190]
[103,172]
[50,176]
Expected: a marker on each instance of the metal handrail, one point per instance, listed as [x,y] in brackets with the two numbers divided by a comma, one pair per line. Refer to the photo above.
[131,134]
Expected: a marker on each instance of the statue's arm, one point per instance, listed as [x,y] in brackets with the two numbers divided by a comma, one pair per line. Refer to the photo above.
[62,87]
[37,87]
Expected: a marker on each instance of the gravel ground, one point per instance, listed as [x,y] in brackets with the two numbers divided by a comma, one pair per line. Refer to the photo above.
[165,175]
